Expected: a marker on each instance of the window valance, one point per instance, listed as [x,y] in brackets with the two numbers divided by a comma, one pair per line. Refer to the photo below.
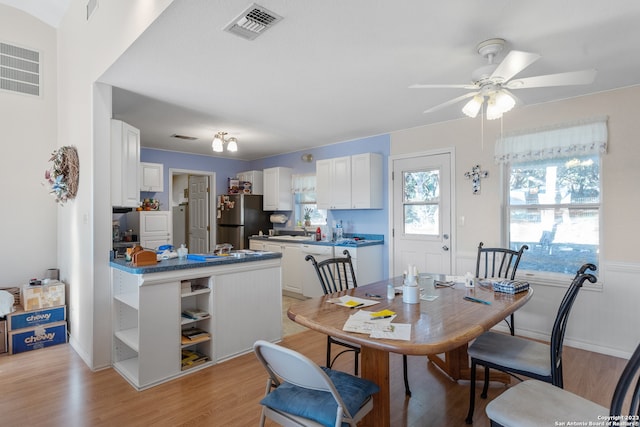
[568,139]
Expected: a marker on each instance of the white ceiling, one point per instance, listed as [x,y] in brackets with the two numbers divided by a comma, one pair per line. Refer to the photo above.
[337,70]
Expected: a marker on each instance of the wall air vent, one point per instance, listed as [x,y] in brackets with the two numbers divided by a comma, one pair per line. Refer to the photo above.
[188,138]
[253,22]
[19,69]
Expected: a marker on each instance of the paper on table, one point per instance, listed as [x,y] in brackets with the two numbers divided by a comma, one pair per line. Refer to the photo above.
[398,331]
[352,302]
[362,323]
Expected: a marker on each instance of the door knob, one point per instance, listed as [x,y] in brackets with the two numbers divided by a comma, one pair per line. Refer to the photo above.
[445,248]
[445,236]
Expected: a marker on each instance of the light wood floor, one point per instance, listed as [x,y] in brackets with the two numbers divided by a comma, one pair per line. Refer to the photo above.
[53,387]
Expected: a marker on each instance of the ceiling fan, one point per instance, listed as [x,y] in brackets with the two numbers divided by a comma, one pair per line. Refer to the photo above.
[493,82]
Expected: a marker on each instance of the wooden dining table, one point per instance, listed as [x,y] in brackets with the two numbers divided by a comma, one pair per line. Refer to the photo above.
[443,326]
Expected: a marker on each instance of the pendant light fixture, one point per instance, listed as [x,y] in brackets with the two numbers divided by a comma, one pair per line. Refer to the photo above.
[220,139]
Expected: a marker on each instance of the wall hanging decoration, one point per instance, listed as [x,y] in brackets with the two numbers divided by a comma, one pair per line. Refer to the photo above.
[475,174]
[64,174]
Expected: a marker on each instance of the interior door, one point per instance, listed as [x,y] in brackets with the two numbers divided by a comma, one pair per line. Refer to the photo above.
[199,214]
[422,213]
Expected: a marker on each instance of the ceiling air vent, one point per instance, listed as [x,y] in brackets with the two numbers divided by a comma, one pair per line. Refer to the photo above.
[253,22]
[19,69]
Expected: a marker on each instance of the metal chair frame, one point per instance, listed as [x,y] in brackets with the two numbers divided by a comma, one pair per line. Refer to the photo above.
[500,262]
[335,275]
[626,390]
[555,347]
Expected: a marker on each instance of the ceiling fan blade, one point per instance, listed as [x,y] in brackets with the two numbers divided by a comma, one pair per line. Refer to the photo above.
[467,86]
[451,101]
[512,64]
[583,77]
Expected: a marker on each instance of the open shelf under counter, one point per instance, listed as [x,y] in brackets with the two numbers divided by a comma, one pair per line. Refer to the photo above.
[129,337]
[130,299]
[128,368]
[187,321]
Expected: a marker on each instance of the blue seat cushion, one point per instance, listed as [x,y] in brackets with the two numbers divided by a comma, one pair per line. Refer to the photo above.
[320,406]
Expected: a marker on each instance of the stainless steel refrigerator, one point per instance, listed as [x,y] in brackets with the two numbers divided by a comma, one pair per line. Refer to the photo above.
[239,217]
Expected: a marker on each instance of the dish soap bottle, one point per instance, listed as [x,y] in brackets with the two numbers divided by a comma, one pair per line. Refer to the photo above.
[318,234]
[182,251]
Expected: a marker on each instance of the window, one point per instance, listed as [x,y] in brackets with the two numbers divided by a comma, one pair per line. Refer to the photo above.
[554,196]
[421,202]
[304,190]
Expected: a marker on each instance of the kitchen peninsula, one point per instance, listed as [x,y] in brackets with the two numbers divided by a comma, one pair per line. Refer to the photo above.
[181,315]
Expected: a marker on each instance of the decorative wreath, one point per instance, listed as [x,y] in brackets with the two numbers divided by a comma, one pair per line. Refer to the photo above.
[63,176]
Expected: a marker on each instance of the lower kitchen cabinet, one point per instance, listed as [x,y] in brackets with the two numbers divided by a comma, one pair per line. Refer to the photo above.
[292,262]
[366,260]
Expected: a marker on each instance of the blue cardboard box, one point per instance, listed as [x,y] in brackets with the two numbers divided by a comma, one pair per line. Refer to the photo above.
[37,337]
[29,319]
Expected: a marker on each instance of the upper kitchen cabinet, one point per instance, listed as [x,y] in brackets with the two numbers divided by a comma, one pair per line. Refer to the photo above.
[152,177]
[366,181]
[333,183]
[277,189]
[125,157]
[255,178]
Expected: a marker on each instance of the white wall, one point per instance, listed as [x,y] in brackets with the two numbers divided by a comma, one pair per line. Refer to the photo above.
[28,219]
[604,320]
[85,51]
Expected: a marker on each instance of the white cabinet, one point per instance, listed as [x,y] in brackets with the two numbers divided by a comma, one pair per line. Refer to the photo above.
[153,228]
[292,262]
[231,305]
[152,177]
[255,178]
[353,182]
[146,344]
[277,189]
[333,183]
[125,156]
[367,262]
[366,181]
[292,268]
[256,245]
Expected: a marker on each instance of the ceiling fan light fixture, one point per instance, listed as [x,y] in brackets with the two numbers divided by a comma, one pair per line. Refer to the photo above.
[472,107]
[493,111]
[504,101]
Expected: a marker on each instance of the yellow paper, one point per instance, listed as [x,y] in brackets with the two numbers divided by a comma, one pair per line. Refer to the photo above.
[384,312]
[351,303]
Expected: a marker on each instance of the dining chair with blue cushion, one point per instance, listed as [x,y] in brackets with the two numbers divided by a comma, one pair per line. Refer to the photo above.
[301,393]
[335,275]
[520,356]
[534,403]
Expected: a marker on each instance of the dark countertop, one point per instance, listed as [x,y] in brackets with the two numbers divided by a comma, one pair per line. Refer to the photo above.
[184,264]
[348,241]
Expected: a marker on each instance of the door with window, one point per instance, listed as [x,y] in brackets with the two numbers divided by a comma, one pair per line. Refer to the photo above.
[422,213]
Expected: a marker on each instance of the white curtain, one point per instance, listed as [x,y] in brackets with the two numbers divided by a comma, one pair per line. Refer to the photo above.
[304,183]
[568,139]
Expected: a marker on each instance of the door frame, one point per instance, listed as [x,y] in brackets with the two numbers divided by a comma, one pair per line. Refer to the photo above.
[453,248]
[212,195]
